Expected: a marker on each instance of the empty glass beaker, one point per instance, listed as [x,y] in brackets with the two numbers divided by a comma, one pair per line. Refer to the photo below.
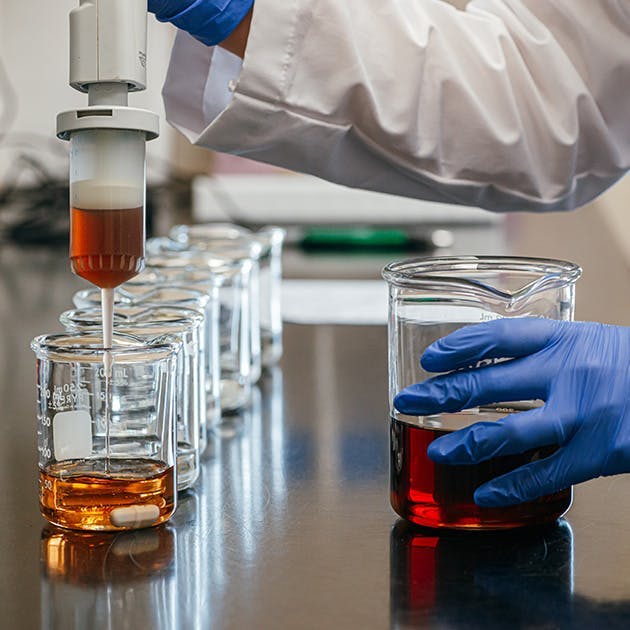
[237,367]
[171,272]
[441,580]
[151,289]
[106,431]
[214,236]
[428,299]
[183,325]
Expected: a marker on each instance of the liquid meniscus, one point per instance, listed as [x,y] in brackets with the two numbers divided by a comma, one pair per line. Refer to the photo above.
[107,246]
[441,496]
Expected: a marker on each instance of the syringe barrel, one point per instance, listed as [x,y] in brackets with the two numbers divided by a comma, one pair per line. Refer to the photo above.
[107,198]
[107,169]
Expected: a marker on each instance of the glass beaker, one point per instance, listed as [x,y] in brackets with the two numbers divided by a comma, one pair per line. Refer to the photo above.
[171,272]
[270,238]
[428,299]
[183,325]
[106,431]
[237,367]
[151,289]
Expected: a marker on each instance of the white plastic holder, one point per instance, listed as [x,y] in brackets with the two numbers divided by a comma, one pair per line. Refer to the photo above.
[107,157]
[108,117]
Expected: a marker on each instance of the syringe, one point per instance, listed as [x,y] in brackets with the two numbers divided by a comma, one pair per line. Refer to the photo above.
[107,205]
[107,157]
[107,213]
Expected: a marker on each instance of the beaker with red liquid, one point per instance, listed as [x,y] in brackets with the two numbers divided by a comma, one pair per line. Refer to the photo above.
[428,299]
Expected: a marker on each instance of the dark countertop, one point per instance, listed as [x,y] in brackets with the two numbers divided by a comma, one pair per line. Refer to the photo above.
[290,525]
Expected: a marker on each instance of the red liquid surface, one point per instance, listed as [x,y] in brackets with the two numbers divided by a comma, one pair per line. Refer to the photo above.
[107,246]
[441,496]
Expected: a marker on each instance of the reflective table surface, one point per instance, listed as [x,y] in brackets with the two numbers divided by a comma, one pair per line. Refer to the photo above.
[290,525]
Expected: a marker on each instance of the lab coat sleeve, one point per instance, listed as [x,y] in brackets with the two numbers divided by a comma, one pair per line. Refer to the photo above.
[509,105]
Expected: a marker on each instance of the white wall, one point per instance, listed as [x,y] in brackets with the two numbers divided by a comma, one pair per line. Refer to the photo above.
[34,48]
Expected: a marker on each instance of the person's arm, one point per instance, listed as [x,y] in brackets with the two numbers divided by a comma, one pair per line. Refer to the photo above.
[512,104]
[236,42]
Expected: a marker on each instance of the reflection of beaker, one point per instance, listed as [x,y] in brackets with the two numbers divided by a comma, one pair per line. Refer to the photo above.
[124,580]
[519,579]
[192,574]
[273,438]
[428,299]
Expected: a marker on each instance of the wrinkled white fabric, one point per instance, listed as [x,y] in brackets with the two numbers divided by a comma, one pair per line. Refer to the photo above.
[509,105]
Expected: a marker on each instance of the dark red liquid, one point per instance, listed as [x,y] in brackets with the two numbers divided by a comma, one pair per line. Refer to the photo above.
[107,246]
[435,495]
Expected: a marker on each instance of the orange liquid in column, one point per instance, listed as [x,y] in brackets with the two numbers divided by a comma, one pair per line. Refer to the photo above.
[107,246]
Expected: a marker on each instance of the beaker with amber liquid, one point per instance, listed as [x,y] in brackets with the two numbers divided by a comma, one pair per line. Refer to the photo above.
[428,299]
[106,439]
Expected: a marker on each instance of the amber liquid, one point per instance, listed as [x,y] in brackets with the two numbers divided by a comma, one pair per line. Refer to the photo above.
[440,496]
[80,494]
[107,246]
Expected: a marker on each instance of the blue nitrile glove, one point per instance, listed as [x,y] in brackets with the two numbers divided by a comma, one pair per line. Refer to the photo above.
[582,372]
[209,21]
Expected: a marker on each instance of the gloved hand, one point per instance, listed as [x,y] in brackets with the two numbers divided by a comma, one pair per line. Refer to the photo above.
[582,372]
[209,21]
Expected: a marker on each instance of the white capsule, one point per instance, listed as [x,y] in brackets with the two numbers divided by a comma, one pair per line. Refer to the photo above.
[134,516]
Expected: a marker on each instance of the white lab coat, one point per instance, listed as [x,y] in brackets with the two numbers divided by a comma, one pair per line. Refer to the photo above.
[511,104]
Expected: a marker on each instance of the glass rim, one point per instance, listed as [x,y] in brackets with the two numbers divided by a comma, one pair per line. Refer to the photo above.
[144,297]
[267,237]
[419,272]
[199,277]
[226,257]
[273,234]
[195,262]
[209,229]
[182,318]
[51,346]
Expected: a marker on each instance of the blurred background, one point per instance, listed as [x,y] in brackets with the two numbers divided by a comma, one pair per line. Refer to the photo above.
[185,183]
[190,184]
